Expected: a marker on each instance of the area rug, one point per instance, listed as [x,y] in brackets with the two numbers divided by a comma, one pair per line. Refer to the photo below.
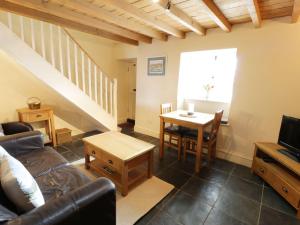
[139,200]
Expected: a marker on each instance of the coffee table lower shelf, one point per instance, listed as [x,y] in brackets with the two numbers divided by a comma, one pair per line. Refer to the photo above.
[134,175]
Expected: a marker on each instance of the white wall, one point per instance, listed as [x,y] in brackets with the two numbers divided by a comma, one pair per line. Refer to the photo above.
[266,83]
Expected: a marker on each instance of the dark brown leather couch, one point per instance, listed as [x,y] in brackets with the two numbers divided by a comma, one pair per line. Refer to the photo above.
[71,197]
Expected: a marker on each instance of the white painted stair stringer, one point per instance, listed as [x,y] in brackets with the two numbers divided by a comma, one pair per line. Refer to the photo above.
[39,67]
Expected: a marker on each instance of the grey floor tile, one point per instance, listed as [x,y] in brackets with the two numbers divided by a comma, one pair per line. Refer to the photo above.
[175,177]
[217,217]
[202,190]
[146,218]
[238,207]
[163,218]
[270,216]
[245,173]
[213,175]
[245,188]
[223,165]
[70,156]
[187,210]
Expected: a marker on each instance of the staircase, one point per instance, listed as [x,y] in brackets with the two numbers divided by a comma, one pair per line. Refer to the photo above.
[51,54]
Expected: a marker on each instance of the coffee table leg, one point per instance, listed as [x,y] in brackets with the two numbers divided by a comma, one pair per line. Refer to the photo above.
[125,180]
[150,164]
[87,158]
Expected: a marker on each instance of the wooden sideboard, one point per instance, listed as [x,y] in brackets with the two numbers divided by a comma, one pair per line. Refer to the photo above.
[279,171]
[44,114]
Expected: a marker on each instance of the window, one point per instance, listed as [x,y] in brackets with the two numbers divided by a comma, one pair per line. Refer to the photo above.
[207,75]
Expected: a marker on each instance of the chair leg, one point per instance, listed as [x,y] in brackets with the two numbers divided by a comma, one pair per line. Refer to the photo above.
[184,149]
[179,142]
[209,153]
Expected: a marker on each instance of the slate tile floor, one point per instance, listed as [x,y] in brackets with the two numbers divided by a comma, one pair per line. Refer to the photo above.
[224,194]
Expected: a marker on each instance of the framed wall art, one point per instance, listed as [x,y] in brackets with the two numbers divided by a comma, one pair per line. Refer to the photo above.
[157,66]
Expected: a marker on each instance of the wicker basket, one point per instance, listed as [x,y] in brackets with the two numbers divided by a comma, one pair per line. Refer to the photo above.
[34,103]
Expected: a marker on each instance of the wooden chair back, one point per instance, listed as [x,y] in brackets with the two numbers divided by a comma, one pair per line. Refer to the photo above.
[216,124]
[165,108]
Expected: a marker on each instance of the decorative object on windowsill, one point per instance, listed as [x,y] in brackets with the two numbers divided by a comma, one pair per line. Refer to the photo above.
[156,66]
[209,86]
[34,103]
[191,107]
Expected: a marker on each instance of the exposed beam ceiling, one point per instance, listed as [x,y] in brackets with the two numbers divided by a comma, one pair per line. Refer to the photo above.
[140,15]
[254,12]
[91,10]
[216,14]
[181,17]
[54,13]
[296,11]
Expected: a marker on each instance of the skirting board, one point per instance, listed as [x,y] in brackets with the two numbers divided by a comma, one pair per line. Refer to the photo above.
[221,153]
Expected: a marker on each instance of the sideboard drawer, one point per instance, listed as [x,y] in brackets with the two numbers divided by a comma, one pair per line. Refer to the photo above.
[111,160]
[92,151]
[260,168]
[35,117]
[285,190]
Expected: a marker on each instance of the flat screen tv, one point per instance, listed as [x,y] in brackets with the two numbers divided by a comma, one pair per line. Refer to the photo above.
[289,137]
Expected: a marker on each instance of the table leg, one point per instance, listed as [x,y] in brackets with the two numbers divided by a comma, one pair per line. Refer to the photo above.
[124,180]
[199,150]
[150,164]
[87,158]
[162,138]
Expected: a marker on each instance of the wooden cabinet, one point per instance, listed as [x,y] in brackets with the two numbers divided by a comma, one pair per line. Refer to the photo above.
[44,114]
[279,171]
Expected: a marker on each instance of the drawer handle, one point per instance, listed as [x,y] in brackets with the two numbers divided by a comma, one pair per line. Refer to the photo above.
[93,152]
[110,161]
[285,189]
[39,115]
[108,170]
[261,170]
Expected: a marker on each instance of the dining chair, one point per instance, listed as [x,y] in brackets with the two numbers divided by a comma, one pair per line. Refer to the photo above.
[173,132]
[209,139]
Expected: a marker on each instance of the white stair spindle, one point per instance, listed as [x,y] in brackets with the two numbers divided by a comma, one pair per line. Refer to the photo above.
[115,95]
[95,83]
[43,40]
[52,45]
[111,97]
[90,77]
[61,65]
[106,94]
[68,58]
[22,28]
[76,64]
[32,34]
[9,21]
[101,89]
[82,71]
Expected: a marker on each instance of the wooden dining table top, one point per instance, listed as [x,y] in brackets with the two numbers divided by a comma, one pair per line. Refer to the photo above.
[198,118]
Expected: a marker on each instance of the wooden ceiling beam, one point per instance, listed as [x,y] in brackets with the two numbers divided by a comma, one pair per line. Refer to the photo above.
[89,9]
[56,14]
[216,14]
[296,11]
[253,8]
[143,16]
[181,17]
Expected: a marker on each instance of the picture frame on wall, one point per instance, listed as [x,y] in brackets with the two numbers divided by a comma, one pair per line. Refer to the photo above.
[157,66]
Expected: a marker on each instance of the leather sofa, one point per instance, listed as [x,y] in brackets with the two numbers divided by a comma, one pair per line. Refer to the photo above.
[71,198]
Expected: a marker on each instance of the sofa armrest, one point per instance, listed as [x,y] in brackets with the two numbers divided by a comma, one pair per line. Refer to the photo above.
[16,144]
[16,127]
[93,203]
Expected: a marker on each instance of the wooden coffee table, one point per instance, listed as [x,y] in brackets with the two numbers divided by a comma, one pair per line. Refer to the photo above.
[123,159]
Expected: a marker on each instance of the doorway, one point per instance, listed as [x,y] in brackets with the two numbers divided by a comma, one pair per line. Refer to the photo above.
[131,74]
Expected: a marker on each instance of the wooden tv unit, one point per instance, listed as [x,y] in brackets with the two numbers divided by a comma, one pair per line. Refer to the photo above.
[280,172]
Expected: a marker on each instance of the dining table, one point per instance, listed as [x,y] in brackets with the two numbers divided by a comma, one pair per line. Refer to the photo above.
[196,120]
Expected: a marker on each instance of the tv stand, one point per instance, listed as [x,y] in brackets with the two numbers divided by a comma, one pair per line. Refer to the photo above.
[280,172]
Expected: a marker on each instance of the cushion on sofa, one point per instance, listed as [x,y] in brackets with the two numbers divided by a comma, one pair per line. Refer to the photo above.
[1,130]
[6,215]
[18,184]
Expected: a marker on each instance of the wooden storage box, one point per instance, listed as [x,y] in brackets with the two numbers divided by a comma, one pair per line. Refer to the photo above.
[63,135]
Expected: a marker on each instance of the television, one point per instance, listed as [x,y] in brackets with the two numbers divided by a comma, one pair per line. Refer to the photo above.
[289,137]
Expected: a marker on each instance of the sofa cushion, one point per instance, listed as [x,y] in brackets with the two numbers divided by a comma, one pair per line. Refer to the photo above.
[61,181]
[18,184]
[6,215]
[1,130]
[41,162]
